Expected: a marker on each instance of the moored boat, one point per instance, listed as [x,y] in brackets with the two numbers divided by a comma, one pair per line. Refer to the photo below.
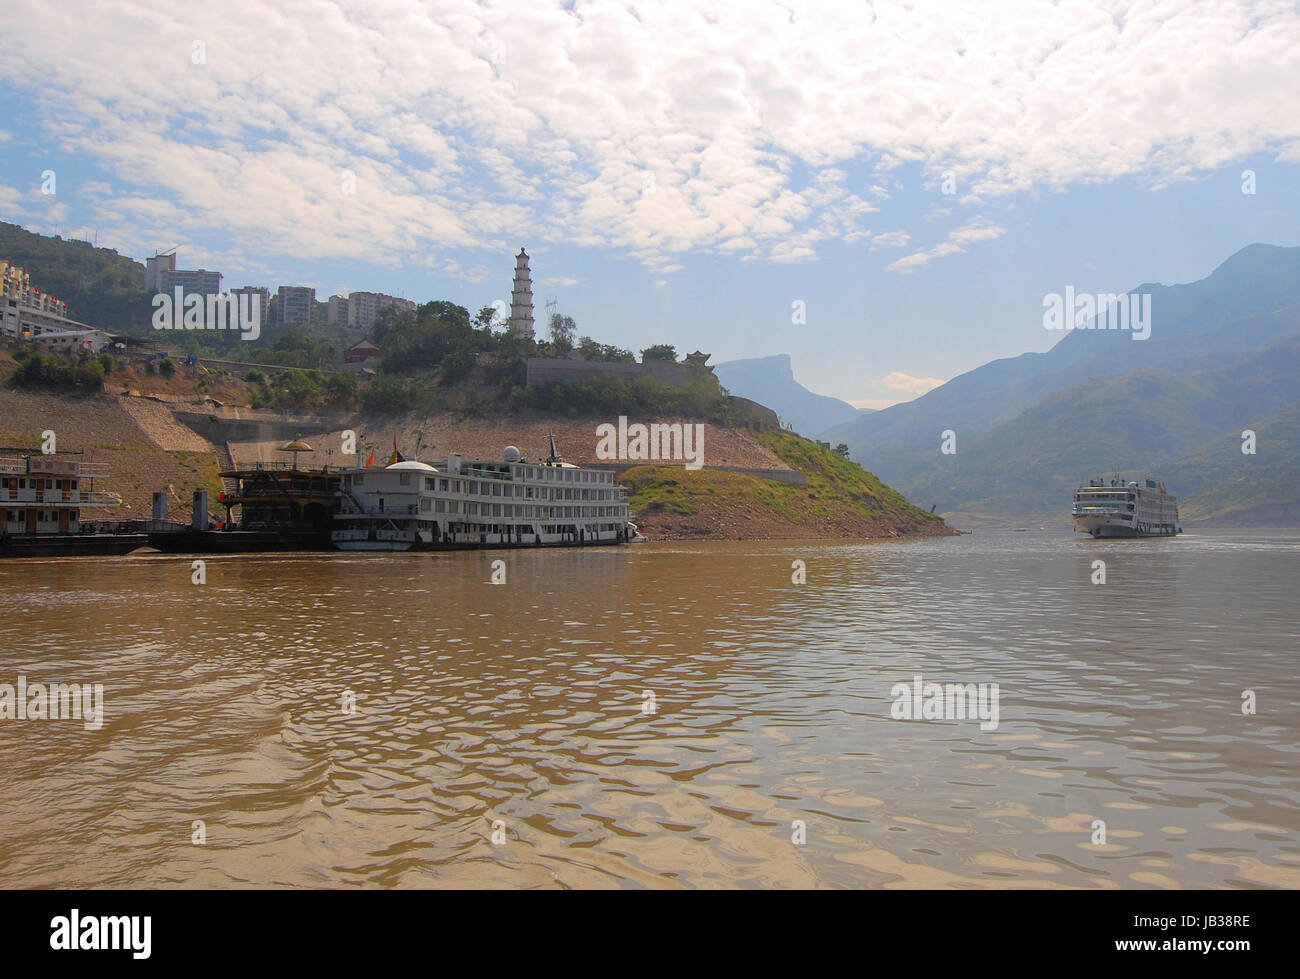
[43,499]
[274,506]
[411,505]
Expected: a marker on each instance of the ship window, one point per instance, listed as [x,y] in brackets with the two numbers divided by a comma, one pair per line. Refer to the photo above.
[404,479]
[360,479]
[428,483]
[444,485]
[439,506]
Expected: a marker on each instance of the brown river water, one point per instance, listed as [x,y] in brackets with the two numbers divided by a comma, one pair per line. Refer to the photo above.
[398,720]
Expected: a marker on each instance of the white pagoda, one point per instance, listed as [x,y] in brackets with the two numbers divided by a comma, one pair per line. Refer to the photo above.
[521,298]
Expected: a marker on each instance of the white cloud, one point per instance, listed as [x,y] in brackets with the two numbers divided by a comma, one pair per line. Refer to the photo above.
[915,386]
[675,127]
[559,280]
[892,239]
[965,235]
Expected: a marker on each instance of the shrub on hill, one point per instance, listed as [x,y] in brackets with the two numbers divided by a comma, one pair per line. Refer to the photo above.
[39,371]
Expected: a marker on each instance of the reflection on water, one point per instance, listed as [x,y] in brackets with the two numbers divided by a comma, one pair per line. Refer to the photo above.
[520,710]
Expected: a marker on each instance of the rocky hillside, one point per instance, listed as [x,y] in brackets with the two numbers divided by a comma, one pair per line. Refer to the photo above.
[109,433]
[147,447]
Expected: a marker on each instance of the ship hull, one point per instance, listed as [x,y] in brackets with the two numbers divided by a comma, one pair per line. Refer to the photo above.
[71,545]
[468,545]
[1102,527]
[238,541]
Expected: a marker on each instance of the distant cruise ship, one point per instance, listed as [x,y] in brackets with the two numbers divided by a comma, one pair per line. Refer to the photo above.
[409,505]
[1117,508]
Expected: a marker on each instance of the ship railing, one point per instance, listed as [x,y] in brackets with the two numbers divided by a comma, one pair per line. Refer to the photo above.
[164,526]
[349,505]
[1100,511]
[60,497]
[18,467]
[100,498]
[282,467]
[410,510]
[117,526]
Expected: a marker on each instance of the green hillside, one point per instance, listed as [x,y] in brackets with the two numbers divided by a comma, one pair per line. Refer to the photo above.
[1184,427]
[841,499]
[101,287]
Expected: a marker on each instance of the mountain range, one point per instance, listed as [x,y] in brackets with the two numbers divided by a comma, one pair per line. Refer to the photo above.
[1222,358]
[770,381]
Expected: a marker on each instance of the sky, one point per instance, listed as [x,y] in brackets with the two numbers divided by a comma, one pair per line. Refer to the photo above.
[886,191]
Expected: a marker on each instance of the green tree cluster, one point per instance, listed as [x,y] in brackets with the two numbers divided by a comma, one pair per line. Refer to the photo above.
[40,371]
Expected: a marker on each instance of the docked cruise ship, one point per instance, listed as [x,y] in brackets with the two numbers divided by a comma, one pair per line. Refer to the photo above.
[1120,508]
[411,505]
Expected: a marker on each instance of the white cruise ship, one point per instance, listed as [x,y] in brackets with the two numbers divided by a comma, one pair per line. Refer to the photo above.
[408,505]
[1120,508]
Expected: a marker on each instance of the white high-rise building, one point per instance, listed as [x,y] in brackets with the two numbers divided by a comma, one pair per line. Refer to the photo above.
[521,298]
[154,267]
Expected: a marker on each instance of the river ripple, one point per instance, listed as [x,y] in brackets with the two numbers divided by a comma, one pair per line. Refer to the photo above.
[520,709]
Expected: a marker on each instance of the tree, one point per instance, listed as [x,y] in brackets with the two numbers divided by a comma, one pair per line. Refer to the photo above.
[660,351]
[341,389]
[842,449]
[299,389]
[562,330]
[590,349]
[486,318]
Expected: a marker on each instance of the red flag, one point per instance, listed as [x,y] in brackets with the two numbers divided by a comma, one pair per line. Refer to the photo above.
[371,461]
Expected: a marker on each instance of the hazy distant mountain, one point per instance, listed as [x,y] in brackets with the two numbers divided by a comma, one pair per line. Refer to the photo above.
[1030,427]
[770,381]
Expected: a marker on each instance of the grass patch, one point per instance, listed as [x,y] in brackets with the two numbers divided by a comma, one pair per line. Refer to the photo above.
[836,487]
